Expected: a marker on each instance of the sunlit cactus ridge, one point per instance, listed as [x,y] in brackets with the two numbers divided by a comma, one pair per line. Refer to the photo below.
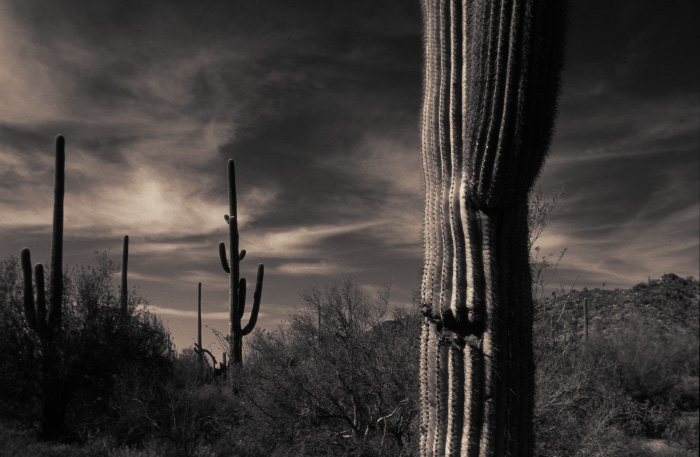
[491,85]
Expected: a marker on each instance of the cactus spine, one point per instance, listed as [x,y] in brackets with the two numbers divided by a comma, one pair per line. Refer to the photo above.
[124,292]
[237,285]
[46,321]
[490,90]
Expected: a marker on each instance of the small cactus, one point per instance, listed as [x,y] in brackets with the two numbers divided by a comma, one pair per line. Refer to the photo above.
[124,292]
[585,319]
[198,346]
[237,285]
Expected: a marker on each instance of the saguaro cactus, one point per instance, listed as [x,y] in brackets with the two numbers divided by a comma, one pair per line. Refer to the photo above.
[491,84]
[124,291]
[199,320]
[585,319]
[46,320]
[198,344]
[237,285]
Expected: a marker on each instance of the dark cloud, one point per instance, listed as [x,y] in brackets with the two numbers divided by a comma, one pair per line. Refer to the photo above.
[318,103]
[640,49]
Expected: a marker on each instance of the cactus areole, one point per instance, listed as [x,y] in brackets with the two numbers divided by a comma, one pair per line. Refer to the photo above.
[490,90]
[237,285]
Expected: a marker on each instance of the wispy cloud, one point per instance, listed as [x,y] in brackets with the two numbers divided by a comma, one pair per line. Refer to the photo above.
[300,241]
[172,312]
[312,268]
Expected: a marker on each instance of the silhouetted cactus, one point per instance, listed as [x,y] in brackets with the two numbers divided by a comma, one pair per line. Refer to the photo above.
[124,291]
[198,349]
[237,285]
[585,319]
[491,84]
[198,346]
[46,320]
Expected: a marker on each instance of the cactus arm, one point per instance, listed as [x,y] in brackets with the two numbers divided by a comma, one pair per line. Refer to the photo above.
[200,351]
[241,297]
[256,301]
[213,359]
[28,292]
[508,117]
[56,280]
[222,256]
[124,291]
[242,255]
[40,298]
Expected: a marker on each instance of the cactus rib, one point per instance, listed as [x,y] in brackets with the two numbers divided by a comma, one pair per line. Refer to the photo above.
[490,91]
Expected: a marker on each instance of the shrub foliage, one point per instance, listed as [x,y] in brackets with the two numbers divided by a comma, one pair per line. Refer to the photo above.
[340,377]
[98,348]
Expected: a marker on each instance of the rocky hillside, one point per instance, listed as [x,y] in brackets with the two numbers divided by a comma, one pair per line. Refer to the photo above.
[669,304]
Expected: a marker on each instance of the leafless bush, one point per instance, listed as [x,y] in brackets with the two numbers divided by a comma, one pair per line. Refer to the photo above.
[341,377]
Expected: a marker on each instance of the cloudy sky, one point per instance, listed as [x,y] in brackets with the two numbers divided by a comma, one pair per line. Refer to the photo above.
[318,105]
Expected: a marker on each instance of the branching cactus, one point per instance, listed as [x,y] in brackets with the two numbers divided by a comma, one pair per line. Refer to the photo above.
[237,285]
[45,318]
[46,321]
[491,85]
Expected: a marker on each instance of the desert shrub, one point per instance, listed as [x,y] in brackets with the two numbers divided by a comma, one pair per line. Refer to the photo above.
[647,367]
[18,348]
[25,443]
[184,413]
[97,346]
[341,379]
[573,403]
[594,397]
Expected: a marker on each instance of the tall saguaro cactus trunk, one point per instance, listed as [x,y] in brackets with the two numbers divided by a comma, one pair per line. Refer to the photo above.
[237,285]
[198,349]
[124,290]
[46,320]
[491,84]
